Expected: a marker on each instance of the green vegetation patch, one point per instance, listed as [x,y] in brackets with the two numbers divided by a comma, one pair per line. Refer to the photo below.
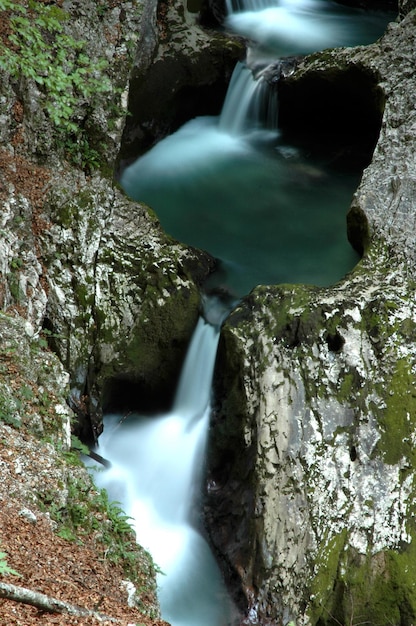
[5,569]
[88,515]
[326,572]
[374,589]
[398,420]
[36,46]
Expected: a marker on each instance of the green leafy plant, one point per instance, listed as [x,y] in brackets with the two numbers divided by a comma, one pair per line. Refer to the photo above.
[38,48]
[8,413]
[4,567]
[78,446]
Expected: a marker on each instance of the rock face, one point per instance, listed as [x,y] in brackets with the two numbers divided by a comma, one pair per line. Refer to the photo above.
[112,293]
[311,469]
[184,73]
[92,291]
[122,296]
[311,485]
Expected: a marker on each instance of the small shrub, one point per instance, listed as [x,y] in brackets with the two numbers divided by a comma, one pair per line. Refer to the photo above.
[38,48]
[4,567]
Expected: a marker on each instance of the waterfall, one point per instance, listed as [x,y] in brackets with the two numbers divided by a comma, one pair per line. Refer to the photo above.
[288,26]
[249,105]
[194,390]
[156,463]
[155,473]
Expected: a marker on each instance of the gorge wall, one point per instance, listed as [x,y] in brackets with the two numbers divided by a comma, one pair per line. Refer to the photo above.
[311,485]
[94,296]
[112,292]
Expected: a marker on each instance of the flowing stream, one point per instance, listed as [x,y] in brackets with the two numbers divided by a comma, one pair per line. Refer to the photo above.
[227,184]
[156,470]
[230,184]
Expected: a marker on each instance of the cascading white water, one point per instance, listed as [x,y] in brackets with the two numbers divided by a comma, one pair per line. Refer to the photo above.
[300,26]
[155,473]
[156,463]
[249,105]
[286,26]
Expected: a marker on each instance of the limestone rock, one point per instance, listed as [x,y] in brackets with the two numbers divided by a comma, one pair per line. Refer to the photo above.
[122,296]
[311,484]
[33,384]
[91,270]
[183,73]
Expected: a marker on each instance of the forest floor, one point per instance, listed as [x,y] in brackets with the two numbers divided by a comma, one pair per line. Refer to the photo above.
[70,571]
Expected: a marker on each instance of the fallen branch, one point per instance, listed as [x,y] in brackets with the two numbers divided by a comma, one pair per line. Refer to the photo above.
[46,603]
[100,459]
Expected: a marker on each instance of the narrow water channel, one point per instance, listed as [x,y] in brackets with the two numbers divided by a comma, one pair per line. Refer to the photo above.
[230,185]
[156,473]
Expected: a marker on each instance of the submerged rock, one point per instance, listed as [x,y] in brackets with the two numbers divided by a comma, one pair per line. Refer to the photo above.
[311,482]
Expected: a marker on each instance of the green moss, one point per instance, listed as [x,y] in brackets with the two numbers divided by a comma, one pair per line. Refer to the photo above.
[402,569]
[398,420]
[346,389]
[327,565]
[292,319]
[380,589]
[39,49]
[84,295]
[350,588]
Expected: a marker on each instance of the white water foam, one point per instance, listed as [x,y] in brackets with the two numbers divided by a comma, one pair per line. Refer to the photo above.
[196,147]
[155,474]
[290,27]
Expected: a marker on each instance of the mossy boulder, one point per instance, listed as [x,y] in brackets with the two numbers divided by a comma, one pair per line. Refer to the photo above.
[311,463]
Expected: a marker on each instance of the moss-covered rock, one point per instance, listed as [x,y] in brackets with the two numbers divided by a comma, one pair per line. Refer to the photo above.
[122,296]
[311,460]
